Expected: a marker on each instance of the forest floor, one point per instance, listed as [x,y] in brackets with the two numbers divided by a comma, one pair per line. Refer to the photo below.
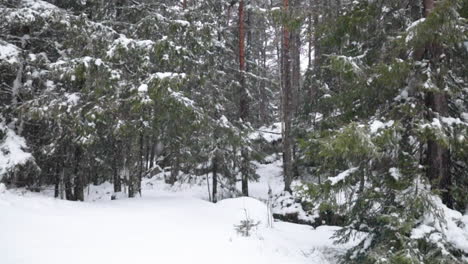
[168,224]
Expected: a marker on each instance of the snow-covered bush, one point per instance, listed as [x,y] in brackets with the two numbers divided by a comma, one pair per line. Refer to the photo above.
[293,208]
[13,151]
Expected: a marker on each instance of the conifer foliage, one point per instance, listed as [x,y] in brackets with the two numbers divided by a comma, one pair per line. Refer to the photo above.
[115,90]
[392,88]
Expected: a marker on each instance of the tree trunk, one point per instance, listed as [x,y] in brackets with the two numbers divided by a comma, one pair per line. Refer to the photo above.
[215,181]
[428,7]
[264,98]
[243,97]
[57,181]
[309,40]
[174,169]
[243,100]
[140,173]
[68,187]
[78,183]
[131,184]
[245,176]
[147,153]
[296,61]
[117,182]
[286,91]
[62,183]
[438,156]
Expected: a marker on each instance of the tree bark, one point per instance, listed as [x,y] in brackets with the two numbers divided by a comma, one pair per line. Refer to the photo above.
[78,183]
[147,153]
[215,180]
[309,40]
[117,181]
[243,97]
[153,153]
[296,61]
[62,183]
[174,168]
[140,173]
[264,98]
[428,7]
[68,187]
[243,103]
[438,155]
[286,128]
[57,180]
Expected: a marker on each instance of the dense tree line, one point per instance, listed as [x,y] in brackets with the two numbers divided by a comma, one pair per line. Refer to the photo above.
[113,90]
[372,97]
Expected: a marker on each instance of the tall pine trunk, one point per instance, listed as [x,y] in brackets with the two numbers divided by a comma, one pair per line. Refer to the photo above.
[243,97]
[296,61]
[286,103]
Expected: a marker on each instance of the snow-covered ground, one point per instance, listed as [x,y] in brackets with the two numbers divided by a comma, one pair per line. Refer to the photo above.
[165,225]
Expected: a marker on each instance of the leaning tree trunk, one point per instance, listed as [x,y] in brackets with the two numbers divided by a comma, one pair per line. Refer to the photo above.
[438,155]
[243,98]
[286,96]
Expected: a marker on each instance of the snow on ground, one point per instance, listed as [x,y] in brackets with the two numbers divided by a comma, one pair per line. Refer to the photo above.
[270,177]
[166,225]
[268,133]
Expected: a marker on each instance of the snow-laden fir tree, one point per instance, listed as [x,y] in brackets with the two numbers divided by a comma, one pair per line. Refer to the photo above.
[389,153]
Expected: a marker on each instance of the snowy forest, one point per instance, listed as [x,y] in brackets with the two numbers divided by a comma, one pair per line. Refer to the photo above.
[234,131]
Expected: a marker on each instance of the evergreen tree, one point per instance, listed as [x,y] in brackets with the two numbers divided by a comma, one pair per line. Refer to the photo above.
[384,141]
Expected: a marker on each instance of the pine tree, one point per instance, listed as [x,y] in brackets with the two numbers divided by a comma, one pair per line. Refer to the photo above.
[383,134]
